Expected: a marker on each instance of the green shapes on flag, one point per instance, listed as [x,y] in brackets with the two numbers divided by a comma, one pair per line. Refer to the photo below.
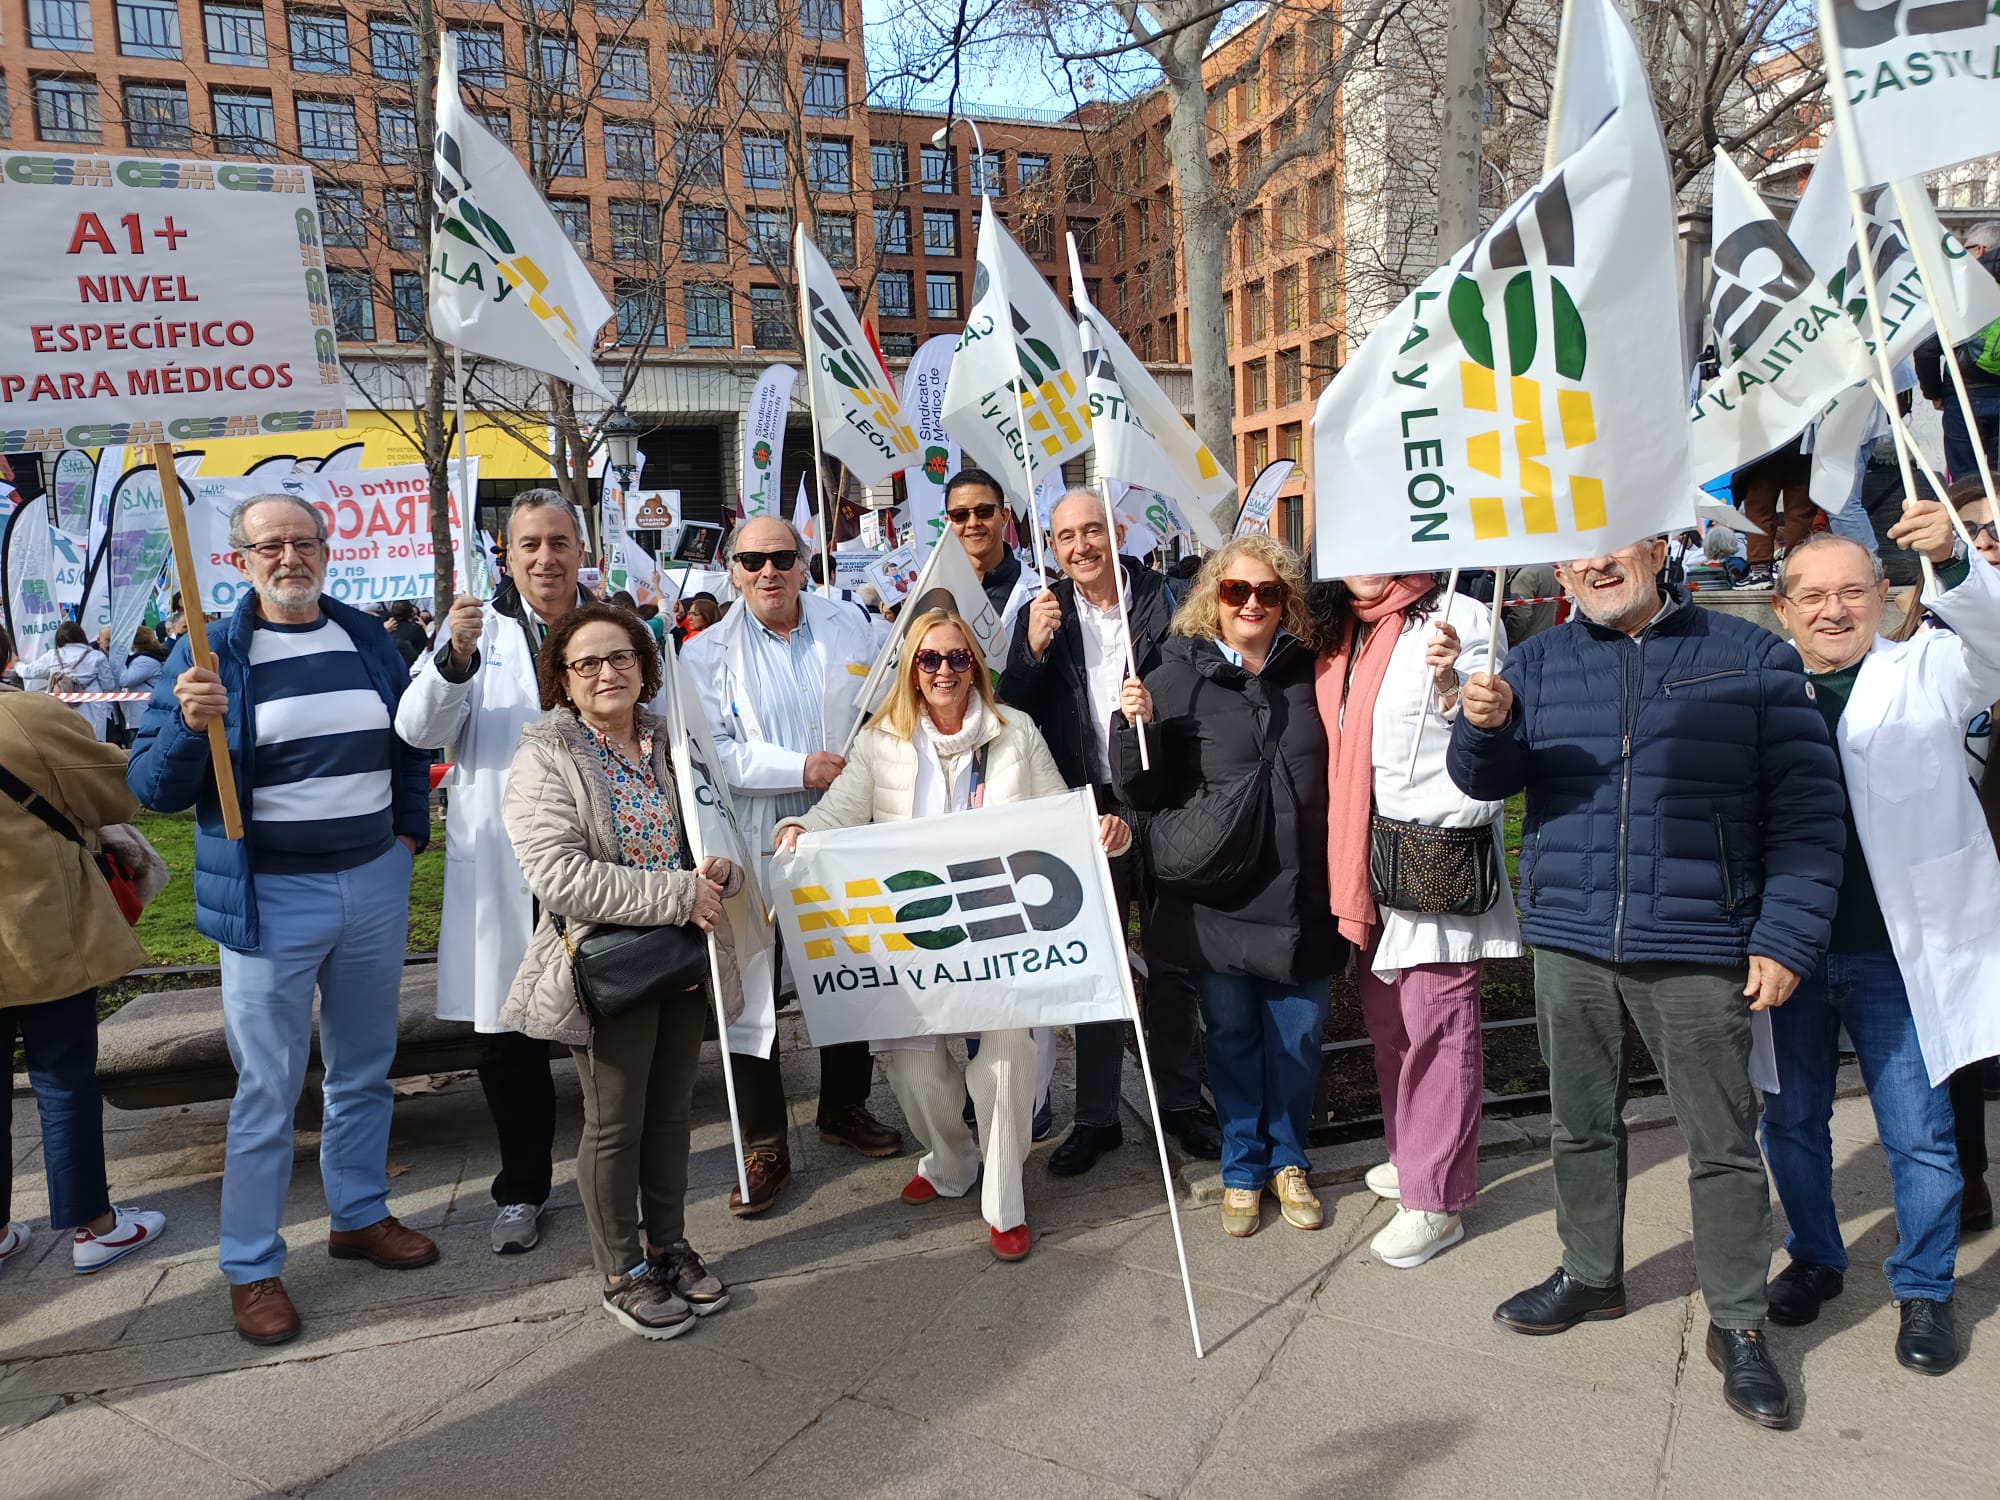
[1466,307]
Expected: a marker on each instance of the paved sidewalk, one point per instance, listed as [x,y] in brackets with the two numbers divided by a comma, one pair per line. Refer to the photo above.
[877,1350]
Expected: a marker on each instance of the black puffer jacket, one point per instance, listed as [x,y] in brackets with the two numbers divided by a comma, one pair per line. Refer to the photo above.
[1213,719]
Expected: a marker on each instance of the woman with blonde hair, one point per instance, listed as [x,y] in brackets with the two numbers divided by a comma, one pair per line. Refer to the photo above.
[1236,835]
[941,744]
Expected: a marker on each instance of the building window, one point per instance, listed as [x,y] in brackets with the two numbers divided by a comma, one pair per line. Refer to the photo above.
[886,165]
[342,224]
[892,231]
[1324,365]
[897,345]
[59,25]
[941,293]
[1325,290]
[682,12]
[245,124]
[555,147]
[1257,313]
[1139,161]
[822,19]
[149,28]
[704,234]
[624,74]
[1326,204]
[939,170]
[1085,231]
[66,111]
[392,50]
[353,306]
[1251,243]
[498,122]
[769,235]
[1118,236]
[396,132]
[758,86]
[698,158]
[988,176]
[760,16]
[940,232]
[770,318]
[640,312]
[635,231]
[763,161]
[406,291]
[235,35]
[1038,236]
[555,63]
[327,130]
[1291,306]
[574,217]
[1080,179]
[835,233]
[1291,377]
[691,79]
[318,41]
[156,115]
[1029,169]
[893,294]
[1256,386]
[827,165]
[1292,442]
[620,10]
[400,217]
[706,309]
[628,152]
[826,90]
[1229,339]
[482,57]
[1291,227]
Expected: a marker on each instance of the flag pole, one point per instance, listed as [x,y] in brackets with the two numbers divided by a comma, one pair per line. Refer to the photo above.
[468,506]
[1430,683]
[812,404]
[1124,611]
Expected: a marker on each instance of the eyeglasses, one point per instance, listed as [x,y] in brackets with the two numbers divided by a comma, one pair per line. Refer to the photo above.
[784,561]
[966,513]
[589,666]
[1235,593]
[1814,600]
[307,547]
[930,663]
[1978,529]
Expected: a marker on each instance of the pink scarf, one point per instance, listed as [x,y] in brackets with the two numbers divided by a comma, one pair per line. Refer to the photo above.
[1350,758]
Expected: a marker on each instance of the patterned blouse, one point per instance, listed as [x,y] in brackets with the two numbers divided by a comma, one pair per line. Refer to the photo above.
[649,829]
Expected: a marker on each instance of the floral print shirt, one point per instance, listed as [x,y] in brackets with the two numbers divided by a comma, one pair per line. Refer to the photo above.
[649,829]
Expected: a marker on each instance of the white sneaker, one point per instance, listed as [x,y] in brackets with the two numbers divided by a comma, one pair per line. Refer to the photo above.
[13,1242]
[1381,1182]
[517,1230]
[131,1229]
[1414,1236]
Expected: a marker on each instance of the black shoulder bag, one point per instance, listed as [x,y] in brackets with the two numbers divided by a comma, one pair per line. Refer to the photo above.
[1218,839]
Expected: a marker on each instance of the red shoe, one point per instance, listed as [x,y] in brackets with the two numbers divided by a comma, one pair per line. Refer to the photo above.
[1011,1244]
[919,1190]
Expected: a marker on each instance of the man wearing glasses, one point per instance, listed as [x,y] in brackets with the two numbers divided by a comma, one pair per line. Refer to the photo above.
[779,677]
[976,510]
[1913,971]
[316,895]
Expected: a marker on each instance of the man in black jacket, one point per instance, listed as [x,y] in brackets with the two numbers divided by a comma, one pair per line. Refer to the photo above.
[1064,670]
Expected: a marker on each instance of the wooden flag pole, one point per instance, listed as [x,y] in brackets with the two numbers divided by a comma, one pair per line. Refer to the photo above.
[197,624]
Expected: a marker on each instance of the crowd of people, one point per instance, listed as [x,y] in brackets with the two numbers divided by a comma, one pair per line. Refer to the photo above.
[1743,845]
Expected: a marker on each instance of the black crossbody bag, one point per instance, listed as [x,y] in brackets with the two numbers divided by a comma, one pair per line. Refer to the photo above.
[1438,871]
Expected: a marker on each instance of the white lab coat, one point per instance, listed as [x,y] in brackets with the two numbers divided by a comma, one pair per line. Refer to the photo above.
[1431,797]
[1936,874]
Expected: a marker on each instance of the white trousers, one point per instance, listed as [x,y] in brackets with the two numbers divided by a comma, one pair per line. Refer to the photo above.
[931,1087]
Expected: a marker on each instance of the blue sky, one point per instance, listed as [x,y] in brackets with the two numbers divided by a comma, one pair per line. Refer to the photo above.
[992,82]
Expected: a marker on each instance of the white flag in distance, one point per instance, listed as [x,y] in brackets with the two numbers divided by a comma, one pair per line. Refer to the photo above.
[1262,498]
[764,440]
[860,416]
[1527,402]
[1920,81]
[505,282]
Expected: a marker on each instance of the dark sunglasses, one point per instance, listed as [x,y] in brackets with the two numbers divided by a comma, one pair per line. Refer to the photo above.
[931,662]
[965,513]
[1235,593]
[784,561]
[1983,528]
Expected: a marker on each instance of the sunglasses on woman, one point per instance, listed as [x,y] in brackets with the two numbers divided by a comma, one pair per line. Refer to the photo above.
[784,560]
[930,663]
[1235,593]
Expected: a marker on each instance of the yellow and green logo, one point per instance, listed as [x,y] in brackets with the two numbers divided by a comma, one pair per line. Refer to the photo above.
[976,901]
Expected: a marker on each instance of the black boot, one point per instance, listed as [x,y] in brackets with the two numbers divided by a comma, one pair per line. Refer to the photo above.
[1560,1303]
[1797,1292]
[1926,1342]
[1751,1384]
[1195,1128]
[1975,1209]
[1079,1153]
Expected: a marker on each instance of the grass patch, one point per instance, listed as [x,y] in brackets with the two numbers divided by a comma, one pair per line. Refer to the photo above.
[167,927]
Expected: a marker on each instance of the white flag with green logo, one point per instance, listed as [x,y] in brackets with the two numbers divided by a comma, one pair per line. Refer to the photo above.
[505,282]
[859,412]
[1528,402]
[1921,80]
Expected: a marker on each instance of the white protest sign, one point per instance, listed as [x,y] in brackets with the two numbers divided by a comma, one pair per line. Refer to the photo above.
[895,572]
[850,568]
[889,939]
[153,300]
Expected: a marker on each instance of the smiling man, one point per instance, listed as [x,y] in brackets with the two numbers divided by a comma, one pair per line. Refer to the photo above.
[975,507]
[1679,863]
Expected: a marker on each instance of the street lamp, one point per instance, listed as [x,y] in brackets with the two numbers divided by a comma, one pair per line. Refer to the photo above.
[621,444]
[943,134]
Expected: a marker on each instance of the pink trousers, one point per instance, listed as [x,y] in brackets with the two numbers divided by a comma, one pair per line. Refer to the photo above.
[1431,1070]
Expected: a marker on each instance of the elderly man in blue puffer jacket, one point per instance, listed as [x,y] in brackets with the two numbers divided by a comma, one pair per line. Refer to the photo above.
[1680,862]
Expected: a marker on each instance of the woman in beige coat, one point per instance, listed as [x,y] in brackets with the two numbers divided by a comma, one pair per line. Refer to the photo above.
[596,825]
[941,744]
[61,936]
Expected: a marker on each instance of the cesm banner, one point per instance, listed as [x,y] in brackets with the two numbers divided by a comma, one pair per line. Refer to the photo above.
[890,938]
[152,300]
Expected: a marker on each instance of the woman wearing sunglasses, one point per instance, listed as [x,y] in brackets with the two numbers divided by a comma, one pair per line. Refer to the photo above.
[1237,843]
[1419,883]
[940,745]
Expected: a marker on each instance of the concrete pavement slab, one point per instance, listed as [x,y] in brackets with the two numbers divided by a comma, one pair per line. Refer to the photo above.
[1722,1454]
[85,1451]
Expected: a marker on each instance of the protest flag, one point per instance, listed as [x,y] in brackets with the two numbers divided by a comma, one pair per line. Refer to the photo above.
[764,440]
[1262,498]
[27,566]
[1520,405]
[923,397]
[1913,83]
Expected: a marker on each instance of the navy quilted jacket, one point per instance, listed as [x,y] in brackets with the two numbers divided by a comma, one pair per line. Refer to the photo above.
[1684,803]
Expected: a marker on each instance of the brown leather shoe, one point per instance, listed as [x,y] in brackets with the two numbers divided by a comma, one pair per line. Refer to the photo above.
[861,1131]
[766,1171]
[264,1314]
[386,1242]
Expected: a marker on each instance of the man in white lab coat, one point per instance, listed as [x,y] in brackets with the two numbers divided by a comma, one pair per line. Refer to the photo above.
[778,678]
[1913,970]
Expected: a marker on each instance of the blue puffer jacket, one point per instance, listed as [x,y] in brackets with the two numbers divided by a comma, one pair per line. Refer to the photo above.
[170,764]
[1684,803]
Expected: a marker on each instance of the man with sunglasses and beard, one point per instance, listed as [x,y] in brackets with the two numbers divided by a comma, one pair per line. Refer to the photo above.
[779,678]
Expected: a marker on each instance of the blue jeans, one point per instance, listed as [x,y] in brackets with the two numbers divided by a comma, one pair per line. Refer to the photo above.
[1958,456]
[345,932]
[1864,992]
[1263,1060]
[60,1038]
